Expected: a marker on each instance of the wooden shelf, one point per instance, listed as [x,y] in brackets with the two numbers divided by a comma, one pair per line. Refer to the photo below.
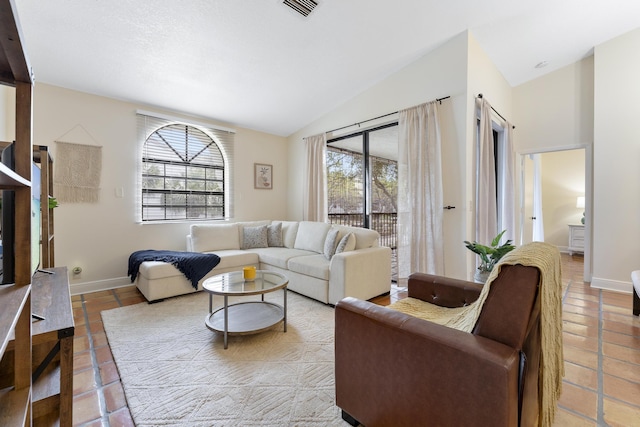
[51,300]
[9,180]
[52,344]
[15,407]
[53,389]
[12,301]
[15,396]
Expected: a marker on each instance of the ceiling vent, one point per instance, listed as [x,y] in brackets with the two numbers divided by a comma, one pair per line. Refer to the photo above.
[303,7]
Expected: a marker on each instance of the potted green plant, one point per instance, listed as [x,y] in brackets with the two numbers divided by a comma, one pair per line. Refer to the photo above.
[489,255]
[53,203]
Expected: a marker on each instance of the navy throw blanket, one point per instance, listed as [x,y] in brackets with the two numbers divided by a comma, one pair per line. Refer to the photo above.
[194,265]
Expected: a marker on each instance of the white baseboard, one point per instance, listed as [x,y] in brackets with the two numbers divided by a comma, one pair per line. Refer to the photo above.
[611,285]
[104,285]
[565,250]
[99,285]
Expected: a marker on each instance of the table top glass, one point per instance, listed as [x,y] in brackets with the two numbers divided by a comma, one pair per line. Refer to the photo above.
[233,283]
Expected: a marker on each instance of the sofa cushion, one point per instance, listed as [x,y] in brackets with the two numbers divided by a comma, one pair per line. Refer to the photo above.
[311,236]
[289,231]
[212,237]
[347,243]
[158,270]
[312,265]
[365,238]
[254,237]
[274,235]
[330,243]
[278,257]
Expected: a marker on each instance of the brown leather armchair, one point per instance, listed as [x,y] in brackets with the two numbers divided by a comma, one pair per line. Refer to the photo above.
[393,369]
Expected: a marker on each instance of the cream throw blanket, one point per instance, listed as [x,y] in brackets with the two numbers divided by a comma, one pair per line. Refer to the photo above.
[546,258]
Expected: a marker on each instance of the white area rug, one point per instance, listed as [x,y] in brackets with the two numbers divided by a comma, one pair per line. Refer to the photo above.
[175,371]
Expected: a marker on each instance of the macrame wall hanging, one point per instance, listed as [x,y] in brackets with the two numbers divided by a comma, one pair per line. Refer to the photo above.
[78,168]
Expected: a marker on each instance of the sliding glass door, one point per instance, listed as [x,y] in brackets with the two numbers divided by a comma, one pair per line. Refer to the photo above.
[362,181]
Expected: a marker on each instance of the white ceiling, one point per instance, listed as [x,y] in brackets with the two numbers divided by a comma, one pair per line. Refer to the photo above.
[259,65]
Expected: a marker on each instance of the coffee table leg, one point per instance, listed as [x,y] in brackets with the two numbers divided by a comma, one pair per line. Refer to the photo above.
[226,320]
[285,309]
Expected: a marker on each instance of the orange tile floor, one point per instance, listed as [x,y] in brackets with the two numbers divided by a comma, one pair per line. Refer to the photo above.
[601,347]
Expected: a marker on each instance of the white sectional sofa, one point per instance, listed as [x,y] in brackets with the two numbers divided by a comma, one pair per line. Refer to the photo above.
[322,261]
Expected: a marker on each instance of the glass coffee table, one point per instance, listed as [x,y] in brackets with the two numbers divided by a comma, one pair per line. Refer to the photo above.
[247,317]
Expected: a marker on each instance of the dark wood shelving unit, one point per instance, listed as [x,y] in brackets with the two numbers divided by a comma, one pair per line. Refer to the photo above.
[42,156]
[52,340]
[15,299]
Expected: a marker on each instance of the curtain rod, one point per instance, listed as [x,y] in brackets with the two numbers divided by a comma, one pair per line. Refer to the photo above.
[496,111]
[380,117]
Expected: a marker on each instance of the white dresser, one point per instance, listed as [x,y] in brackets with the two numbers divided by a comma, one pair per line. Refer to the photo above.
[576,238]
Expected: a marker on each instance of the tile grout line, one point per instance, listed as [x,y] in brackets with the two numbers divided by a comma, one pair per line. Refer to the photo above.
[95,367]
[572,411]
[106,411]
[117,298]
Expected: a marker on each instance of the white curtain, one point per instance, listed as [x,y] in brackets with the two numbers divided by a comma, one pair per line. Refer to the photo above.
[486,210]
[315,183]
[538,222]
[507,187]
[420,235]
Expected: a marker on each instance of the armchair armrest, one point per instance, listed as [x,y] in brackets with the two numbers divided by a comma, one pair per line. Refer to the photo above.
[454,378]
[443,291]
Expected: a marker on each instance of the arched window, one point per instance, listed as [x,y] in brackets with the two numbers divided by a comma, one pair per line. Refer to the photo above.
[185,174]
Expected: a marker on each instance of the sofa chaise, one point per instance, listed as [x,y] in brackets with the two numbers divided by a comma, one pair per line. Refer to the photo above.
[322,261]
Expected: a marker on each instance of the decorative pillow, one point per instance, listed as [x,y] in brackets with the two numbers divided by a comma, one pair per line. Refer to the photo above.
[330,243]
[243,224]
[274,235]
[213,237]
[289,231]
[347,243]
[365,238]
[311,236]
[254,237]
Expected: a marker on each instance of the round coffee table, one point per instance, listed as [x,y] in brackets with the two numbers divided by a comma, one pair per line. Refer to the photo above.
[247,317]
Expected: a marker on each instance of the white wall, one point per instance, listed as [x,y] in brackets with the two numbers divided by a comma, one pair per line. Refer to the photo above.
[438,74]
[616,237]
[555,112]
[563,179]
[100,237]
[442,72]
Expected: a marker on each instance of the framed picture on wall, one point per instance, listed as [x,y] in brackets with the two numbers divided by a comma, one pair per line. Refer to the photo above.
[262,176]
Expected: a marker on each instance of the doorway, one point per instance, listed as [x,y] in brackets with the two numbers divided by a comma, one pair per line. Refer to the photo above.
[555,184]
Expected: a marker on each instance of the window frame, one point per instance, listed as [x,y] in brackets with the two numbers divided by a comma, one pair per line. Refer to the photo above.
[217,138]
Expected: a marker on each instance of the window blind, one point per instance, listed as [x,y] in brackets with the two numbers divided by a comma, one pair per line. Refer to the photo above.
[180,176]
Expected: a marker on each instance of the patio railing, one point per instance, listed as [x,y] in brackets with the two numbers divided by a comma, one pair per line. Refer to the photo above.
[383,223]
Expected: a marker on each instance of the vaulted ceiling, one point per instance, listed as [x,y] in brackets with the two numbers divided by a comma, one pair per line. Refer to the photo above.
[258,64]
